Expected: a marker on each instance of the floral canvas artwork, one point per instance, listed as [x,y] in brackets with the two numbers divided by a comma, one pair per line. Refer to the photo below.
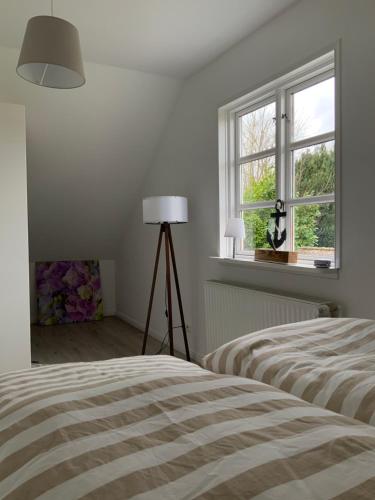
[68,292]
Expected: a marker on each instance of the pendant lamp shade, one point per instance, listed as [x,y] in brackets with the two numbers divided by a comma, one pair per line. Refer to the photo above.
[51,54]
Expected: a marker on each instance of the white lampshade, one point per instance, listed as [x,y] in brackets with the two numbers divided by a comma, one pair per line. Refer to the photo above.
[235,228]
[51,54]
[159,209]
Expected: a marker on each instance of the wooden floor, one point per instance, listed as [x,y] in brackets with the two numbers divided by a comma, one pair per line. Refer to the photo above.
[110,338]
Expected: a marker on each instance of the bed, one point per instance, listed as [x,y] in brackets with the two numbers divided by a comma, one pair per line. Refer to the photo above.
[157,427]
[327,361]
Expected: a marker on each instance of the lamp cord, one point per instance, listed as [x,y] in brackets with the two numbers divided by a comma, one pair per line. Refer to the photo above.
[162,346]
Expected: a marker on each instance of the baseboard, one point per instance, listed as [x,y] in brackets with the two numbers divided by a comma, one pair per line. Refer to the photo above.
[111,312]
[33,320]
[137,324]
[154,333]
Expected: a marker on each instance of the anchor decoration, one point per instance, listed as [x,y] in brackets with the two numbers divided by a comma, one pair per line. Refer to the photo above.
[275,236]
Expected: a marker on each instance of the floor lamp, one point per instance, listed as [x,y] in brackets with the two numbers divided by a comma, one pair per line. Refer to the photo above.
[164,211]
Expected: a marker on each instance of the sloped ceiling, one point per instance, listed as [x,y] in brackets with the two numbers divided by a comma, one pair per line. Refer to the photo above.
[169,37]
[88,149]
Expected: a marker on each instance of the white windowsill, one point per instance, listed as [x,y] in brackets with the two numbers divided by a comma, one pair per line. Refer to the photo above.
[331,273]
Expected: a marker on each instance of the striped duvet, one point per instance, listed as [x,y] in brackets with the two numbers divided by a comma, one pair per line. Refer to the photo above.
[329,362]
[152,428]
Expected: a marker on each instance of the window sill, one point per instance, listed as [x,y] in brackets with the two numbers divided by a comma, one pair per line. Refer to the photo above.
[331,273]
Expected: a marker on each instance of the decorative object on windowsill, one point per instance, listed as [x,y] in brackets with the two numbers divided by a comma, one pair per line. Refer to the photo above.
[166,210]
[322,264]
[276,237]
[235,229]
[51,53]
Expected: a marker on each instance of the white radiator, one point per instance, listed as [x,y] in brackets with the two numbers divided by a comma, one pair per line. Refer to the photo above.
[232,311]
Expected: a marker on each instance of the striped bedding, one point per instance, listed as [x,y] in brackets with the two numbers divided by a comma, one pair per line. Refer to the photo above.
[328,361]
[158,428]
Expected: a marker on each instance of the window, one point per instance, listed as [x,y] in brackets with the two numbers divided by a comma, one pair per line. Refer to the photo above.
[280,142]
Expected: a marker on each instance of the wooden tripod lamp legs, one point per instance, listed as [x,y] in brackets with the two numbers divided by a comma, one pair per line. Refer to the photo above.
[183,326]
[152,289]
[169,254]
[169,291]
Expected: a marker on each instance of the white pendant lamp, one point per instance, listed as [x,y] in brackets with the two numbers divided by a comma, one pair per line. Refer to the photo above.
[51,53]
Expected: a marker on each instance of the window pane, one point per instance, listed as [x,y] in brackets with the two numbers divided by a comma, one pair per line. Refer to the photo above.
[314,110]
[257,130]
[314,231]
[314,170]
[256,224]
[258,180]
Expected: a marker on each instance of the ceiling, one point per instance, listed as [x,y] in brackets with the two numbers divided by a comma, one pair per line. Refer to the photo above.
[88,150]
[169,37]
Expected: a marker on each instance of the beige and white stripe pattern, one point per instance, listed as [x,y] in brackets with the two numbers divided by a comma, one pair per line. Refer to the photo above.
[328,361]
[158,428]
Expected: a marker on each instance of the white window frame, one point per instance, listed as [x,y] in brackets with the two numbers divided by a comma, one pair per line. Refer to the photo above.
[280,91]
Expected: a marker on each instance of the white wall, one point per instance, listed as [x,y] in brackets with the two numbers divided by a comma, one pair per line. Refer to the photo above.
[108,280]
[87,152]
[187,164]
[14,293]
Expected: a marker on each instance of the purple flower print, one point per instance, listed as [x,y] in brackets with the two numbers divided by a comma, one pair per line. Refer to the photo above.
[68,291]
